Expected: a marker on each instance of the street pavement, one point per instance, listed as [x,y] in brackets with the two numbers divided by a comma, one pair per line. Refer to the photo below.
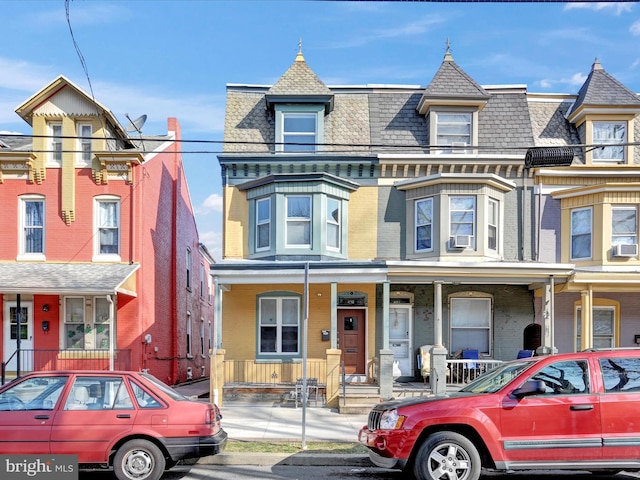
[282,421]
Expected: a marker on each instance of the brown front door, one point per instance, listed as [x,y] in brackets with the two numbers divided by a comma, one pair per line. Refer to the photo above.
[351,330]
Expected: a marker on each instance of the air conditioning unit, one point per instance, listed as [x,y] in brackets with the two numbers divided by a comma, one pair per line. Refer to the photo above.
[459,147]
[461,241]
[625,250]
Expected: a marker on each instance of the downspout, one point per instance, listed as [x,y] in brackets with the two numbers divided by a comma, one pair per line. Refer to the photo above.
[525,174]
[112,333]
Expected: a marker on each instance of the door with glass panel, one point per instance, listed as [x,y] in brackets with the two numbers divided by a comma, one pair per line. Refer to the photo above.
[400,328]
[11,332]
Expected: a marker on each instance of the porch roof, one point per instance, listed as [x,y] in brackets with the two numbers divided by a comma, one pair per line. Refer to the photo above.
[67,278]
[400,271]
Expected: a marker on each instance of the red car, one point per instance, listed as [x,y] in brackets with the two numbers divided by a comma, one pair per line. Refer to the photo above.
[128,421]
[575,411]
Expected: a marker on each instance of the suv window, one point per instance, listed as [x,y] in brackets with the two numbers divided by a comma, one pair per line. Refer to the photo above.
[620,374]
[566,377]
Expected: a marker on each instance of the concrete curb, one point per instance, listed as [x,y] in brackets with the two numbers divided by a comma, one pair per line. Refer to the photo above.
[291,459]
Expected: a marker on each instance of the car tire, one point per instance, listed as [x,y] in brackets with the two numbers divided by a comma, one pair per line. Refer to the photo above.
[139,460]
[447,456]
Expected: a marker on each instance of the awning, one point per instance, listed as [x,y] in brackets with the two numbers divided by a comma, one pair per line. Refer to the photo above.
[67,278]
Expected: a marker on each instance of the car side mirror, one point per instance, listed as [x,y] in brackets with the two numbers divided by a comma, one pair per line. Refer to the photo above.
[530,387]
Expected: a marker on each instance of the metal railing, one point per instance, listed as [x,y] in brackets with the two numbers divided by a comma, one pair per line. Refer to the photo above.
[461,371]
[250,371]
[47,360]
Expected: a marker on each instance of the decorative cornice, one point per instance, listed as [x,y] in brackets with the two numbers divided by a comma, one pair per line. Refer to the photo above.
[116,165]
[20,163]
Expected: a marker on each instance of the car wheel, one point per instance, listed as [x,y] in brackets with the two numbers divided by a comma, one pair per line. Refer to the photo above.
[138,460]
[447,456]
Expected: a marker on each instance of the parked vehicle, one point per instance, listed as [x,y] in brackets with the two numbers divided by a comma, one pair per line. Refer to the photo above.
[575,411]
[130,422]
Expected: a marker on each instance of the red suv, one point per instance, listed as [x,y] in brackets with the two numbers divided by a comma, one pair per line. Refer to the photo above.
[575,411]
[128,421]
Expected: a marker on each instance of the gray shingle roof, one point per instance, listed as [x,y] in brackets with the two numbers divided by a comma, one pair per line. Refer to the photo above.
[600,88]
[450,81]
[17,142]
[299,80]
[63,278]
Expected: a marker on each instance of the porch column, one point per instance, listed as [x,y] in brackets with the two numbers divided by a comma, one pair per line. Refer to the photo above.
[438,375]
[334,316]
[217,314]
[548,322]
[586,319]
[216,376]
[333,377]
[385,368]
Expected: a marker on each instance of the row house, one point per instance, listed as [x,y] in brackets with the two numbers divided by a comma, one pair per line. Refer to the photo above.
[364,222]
[100,262]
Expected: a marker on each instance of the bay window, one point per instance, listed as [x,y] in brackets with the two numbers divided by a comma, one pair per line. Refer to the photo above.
[581,233]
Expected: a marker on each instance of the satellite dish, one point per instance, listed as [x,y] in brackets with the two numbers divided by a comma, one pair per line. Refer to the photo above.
[136,125]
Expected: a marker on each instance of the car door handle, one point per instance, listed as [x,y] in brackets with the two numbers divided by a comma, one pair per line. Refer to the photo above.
[581,407]
[42,417]
[123,415]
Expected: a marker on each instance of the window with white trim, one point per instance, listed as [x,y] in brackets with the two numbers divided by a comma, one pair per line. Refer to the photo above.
[624,225]
[85,149]
[107,227]
[612,134]
[462,218]
[424,224]
[87,325]
[493,223]
[581,233]
[263,224]
[202,278]
[334,231]
[189,327]
[299,128]
[32,226]
[202,351]
[55,144]
[453,129]
[471,323]
[278,324]
[298,225]
[189,267]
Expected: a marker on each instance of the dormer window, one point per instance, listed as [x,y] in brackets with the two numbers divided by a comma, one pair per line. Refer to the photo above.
[299,128]
[453,129]
[609,133]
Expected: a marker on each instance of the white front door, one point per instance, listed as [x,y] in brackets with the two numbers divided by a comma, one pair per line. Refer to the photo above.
[10,322]
[400,341]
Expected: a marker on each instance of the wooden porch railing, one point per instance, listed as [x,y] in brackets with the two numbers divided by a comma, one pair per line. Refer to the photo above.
[250,371]
[47,360]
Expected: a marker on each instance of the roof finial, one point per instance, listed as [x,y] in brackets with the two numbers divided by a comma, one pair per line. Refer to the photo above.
[596,65]
[300,57]
[447,53]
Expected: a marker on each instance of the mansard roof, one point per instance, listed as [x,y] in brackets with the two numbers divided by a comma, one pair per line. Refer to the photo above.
[300,84]
[602,90]
[452,85]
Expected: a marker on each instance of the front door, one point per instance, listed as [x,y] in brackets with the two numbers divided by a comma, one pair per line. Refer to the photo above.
[400,327]
[351,335]
[10,324]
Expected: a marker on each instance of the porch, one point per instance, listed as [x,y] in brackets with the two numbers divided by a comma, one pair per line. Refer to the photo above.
[49,360]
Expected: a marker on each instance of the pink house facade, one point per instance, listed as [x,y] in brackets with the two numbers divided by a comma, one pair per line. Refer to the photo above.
[101,266]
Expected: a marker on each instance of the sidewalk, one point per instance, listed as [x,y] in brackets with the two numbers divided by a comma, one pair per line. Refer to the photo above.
[277,421]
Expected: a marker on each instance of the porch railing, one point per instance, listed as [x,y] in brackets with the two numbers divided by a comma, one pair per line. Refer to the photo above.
[47,360]
[461,371]
[250,371]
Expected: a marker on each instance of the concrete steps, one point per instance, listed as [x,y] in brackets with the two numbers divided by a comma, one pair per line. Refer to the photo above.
[358,398]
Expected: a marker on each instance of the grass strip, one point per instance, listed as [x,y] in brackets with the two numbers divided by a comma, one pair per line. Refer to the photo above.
[240,446]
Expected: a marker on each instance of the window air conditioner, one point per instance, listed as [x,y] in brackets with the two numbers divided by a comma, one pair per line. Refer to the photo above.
[461,241]
[626,250]
[459,147]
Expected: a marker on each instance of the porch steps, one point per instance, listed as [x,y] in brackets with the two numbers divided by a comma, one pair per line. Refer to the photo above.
[358,398]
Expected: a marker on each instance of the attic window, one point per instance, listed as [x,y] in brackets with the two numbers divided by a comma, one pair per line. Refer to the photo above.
[453,129]
[609,133]
[299,128]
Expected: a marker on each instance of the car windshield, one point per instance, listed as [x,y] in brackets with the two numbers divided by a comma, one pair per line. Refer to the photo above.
[496,378]
[164,387]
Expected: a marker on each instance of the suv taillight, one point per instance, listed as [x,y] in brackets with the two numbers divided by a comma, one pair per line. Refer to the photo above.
[208,416]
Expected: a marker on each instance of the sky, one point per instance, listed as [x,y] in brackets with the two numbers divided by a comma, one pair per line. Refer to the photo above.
[174,58]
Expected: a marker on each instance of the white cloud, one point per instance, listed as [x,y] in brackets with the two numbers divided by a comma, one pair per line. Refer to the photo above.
[411,29]
[618,7]
[635,28]
[24,76]
[575,81]
[213,203]
[213,241]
